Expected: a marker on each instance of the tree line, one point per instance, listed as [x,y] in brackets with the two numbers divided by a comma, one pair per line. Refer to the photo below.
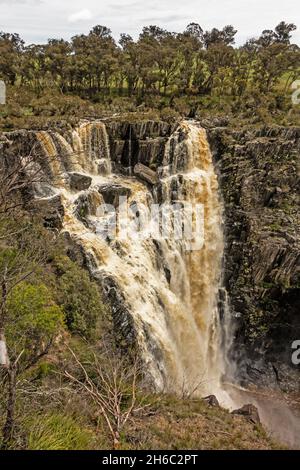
[159,62]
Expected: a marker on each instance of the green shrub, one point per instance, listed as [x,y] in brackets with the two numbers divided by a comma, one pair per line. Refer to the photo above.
[79,297]
[34,317]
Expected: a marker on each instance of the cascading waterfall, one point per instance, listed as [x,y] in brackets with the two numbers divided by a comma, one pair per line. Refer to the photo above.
[170,292]
[50,151]
[188,174]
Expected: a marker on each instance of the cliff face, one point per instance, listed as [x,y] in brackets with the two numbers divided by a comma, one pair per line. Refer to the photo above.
[259,175]
[141,142]
[129,143]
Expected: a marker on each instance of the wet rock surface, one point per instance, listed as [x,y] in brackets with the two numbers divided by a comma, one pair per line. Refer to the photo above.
[50,209]
[146,174]
[112,192]
[79,182]
[141,142]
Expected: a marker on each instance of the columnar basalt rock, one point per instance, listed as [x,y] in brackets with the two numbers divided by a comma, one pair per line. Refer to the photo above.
[139,142]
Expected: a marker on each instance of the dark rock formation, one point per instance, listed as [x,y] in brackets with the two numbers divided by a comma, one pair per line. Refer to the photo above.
[259,177]
[140,142]
[79,182]
[250,412]
[76,252]
[124,329]
[50,209]
[112,192]
[211,400]
[145,174]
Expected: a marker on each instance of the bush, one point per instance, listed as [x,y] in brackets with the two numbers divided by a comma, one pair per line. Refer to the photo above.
[79,298]
[34,317]
[169,115]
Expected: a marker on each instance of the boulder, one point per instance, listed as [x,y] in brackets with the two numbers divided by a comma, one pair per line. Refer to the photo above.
[79,181]
[145,173]
[211,400]
[250,412]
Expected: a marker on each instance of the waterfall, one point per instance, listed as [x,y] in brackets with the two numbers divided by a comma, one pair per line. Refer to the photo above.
[52,162]
[90,141]
[170,292]
[188,174]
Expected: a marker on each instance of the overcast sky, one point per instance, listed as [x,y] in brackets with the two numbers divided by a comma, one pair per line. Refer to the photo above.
[38,20]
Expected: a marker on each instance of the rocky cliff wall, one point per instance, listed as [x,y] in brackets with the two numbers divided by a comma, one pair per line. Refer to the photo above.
[259,173]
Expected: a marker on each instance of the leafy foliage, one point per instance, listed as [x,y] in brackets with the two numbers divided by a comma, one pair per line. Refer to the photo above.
[79,298]
[34,317]
[92,74]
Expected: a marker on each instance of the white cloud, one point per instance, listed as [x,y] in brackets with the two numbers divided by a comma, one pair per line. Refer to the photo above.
[20,1]
[82,15]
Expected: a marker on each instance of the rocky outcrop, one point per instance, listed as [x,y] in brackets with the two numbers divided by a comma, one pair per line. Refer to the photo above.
[140,142]
[79,182]
[146,174]
[112,192]
[211,400]
[259,177]
[50,210]
[250,412]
